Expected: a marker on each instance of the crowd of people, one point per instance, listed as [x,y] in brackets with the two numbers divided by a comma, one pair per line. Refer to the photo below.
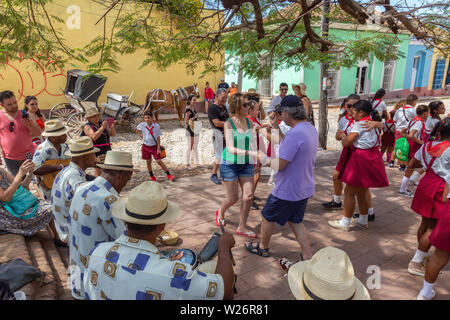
[112,239]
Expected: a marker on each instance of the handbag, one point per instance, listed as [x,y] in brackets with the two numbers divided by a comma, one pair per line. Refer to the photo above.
[22,200]
[163,150]
[18,273]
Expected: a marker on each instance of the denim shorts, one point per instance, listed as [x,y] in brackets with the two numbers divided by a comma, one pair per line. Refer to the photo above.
[230,172]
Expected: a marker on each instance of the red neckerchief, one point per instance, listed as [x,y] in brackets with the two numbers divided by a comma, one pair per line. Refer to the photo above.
[407,107]
[254,120]
[349,123]
[438,149]
[417,118]
[149,129]
[366,118]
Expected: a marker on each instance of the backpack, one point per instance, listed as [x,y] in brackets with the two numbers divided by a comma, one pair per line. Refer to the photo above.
[402,149]
[5,291]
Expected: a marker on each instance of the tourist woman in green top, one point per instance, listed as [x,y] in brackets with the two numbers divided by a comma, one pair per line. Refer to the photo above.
[237,167]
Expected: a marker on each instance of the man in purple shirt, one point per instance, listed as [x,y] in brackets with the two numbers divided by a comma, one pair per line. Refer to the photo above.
[294,182]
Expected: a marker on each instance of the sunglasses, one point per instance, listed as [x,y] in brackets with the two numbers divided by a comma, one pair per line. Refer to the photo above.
[283,89]
[350,105]
[11,126]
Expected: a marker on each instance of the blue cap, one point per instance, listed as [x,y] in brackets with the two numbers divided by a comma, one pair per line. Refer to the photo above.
[290,101]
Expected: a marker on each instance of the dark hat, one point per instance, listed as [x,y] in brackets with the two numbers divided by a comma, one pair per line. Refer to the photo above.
[290,101]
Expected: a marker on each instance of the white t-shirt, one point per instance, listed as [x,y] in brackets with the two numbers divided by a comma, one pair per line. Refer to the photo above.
[147,137]
[430,123]
[366,139]
[417,125]
[342,111]
[380,106]
[343,124]
[388,127]
[399,117]
[441,165]
[284,128]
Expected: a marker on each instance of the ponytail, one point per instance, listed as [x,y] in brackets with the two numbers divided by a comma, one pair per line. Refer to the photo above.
[434,109]
[441,130]
[375,116]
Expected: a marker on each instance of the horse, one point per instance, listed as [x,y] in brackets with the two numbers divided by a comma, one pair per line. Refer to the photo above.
[159,99]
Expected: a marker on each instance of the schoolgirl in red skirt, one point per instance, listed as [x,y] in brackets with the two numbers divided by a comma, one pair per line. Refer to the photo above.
[436,109]
[428,200]
[388,140]
[416,138]
[363,168]
[440,235]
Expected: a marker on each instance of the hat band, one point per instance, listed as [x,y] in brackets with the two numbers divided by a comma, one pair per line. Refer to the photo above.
[118,165]
[146,217]
[82,151]
[56,130]
[313,296]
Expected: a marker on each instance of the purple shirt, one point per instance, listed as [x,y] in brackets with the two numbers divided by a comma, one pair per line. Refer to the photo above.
[296,181]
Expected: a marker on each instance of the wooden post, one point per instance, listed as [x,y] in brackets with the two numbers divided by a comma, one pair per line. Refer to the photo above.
[323,94]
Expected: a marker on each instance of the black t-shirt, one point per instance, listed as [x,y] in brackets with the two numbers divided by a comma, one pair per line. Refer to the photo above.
[216,112]
[223,85]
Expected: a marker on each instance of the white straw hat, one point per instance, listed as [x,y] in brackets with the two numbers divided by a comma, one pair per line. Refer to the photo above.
[302,87]
[116,160]
[54,128]
[81,146]
[146,204]
[90,109]
[328,275]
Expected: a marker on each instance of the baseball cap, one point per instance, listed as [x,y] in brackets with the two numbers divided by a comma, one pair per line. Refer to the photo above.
[290,101]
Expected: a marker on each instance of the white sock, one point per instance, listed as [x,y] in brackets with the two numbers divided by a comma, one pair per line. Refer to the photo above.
[363,218]
[427,290]
[414,176]
[370,211]
[345,222]
[404,184]
[336,198]
[419,256]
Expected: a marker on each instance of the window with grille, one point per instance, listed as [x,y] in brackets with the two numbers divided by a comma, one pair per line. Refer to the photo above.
[332,76]
[388,75]
[439,72]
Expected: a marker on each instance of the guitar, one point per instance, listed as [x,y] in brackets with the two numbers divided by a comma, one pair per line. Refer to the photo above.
[48,179]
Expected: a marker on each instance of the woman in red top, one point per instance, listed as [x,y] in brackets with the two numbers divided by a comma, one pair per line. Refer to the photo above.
[209,97]
[31,106]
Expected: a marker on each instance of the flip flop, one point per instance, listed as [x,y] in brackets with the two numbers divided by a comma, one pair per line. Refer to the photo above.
[249,234]
[217,219]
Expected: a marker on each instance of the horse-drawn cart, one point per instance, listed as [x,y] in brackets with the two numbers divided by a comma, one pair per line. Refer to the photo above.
[82,86]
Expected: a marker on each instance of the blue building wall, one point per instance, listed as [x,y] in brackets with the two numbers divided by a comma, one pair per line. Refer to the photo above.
[424,66]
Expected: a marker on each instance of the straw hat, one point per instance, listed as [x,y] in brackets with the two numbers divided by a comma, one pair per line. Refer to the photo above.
[54,128]
[302,87]
[252,92]
[90,109]
[81,146]
[328,275]
[116,160]
[146,204]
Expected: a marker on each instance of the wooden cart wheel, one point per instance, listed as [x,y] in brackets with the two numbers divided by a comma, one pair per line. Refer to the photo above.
[62,111]
[75,123]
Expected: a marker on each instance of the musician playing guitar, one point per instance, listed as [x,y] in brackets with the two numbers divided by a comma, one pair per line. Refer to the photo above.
[50,157]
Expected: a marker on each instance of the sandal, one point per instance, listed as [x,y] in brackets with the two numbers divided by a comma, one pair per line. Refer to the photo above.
[248,234]
[221,220]
[257,250]
[286,264]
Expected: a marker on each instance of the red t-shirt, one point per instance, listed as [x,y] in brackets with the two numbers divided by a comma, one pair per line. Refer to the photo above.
[209,93]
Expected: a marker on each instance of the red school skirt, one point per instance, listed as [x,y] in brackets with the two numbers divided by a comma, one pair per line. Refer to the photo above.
[413,148]
[365,169]
[345,154]
[388,139]
[427,199]
[440,237]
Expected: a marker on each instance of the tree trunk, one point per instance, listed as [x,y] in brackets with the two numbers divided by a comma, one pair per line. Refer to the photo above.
[323,95]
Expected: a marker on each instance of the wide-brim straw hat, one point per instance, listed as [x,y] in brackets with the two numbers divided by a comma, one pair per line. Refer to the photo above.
[90,109]
[54,128]
[329,275]
[252,92]
[301,86]
[116,160]
[81,146]
[146,204]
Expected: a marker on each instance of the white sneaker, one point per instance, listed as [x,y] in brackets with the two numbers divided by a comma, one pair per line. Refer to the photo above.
[407,193]
[337,225]
[355,222]
[421,297]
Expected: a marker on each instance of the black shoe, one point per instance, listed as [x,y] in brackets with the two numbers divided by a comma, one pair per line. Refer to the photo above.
[371,216]
[255,198]
[254,206]
[332,205]
[402,168]
[59,243]
[215,179]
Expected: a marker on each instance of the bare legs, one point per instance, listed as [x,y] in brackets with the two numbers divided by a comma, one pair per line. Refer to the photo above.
[338,186]
[192,143]
[438,261]
[353,193]
[424,232]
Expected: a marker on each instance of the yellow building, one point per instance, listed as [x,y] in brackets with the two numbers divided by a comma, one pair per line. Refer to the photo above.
[28,77]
